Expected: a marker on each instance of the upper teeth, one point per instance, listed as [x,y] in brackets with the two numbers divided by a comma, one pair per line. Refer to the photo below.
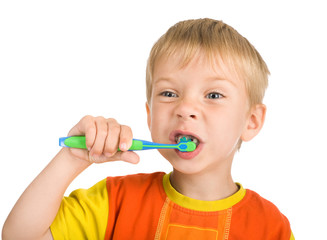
[178,138]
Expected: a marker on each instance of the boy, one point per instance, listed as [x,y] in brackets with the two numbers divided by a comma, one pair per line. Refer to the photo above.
[205,82]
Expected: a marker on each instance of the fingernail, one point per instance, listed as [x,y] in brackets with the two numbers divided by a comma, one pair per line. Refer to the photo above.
[123,146]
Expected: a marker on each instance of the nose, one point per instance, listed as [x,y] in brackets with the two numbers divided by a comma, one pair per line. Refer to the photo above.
[187,110]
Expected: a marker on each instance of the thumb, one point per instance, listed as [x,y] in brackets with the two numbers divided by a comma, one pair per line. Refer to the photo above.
[126,156]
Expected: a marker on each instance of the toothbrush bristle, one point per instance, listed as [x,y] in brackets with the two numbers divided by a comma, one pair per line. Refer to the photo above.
[184,139]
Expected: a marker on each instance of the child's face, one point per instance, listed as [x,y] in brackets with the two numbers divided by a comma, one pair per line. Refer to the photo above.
[202,100]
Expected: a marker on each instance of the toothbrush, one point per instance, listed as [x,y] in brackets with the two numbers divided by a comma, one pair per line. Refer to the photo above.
[79,142]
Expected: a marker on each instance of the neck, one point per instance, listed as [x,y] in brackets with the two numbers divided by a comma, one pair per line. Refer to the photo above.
[206,187]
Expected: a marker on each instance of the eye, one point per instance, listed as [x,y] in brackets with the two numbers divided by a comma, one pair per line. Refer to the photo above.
[214,95]
[168,94]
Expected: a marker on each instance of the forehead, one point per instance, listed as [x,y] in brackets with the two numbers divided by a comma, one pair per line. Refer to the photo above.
[213,66]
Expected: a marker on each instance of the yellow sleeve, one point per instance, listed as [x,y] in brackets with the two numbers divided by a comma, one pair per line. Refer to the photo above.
[292,236]
[83,215]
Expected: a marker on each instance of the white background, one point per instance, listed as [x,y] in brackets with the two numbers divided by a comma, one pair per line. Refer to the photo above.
[61,60]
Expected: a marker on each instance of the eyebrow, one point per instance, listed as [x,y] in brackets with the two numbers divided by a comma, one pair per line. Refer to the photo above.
[222,80]
[162,79]
[167,79]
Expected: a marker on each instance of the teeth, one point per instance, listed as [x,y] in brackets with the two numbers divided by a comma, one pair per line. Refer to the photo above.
[179,138]
[196,141]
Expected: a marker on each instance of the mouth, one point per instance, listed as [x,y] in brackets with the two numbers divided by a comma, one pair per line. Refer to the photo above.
[186,138]
[178,136]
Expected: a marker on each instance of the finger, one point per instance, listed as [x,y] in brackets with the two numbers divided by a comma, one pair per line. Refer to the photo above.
[129,156]
[125,138]
[86,126]
[90,135]
[112,140]
[79,128]
[101,135]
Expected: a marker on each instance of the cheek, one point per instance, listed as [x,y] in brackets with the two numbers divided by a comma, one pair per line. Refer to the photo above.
[158,121]
[226,127]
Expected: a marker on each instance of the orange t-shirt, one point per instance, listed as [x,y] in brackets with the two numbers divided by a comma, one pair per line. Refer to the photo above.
[146,206]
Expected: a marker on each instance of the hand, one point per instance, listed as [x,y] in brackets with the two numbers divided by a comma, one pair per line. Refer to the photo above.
[103,137]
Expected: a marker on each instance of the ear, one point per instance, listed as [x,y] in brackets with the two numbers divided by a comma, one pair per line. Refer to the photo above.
[148,112]
[255,122]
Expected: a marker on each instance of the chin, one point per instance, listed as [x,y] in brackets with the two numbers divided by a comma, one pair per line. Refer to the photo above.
[189,166]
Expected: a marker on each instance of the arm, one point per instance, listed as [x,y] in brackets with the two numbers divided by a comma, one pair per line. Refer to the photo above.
[35,210]
[38,205]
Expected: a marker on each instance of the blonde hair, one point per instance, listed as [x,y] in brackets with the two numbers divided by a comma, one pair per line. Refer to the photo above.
[214,38]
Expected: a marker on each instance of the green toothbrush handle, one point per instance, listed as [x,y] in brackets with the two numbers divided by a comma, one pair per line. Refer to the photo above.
[79,142]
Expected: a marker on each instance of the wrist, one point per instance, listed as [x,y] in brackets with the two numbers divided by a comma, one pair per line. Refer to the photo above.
[71,161]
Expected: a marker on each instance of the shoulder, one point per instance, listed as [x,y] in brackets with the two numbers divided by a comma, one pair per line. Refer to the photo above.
[83,214]
[263,207]
[256,215]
